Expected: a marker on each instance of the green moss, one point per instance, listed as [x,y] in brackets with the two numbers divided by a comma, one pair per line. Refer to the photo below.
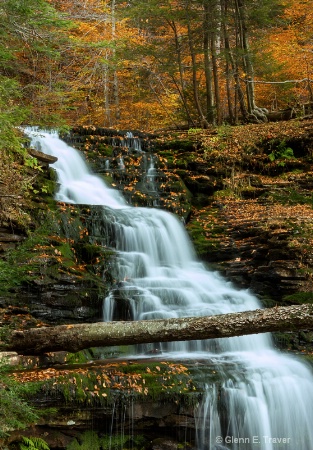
[289,196]
[204,246]
[309,359]
[87,441]
[206,231]
[104,385]
[181,163]
[81,357]
[299,298]
[19,264]
[105,150]
[181,173]
[11,277]
[225,193]
[182,145]
[165,154]
[59,245]
[283,340]
[108,179]
[91,441]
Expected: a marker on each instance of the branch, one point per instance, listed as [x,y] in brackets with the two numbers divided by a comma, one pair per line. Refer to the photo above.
[278,82]
[10,195]
[73,338]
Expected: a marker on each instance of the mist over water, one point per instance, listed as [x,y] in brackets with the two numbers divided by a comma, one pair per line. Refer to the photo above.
[264,401]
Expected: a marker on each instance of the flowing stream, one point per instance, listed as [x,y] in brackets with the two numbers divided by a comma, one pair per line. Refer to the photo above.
[264,399]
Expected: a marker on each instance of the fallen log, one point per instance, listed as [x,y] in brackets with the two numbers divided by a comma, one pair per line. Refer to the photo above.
[73,338]
[282,114]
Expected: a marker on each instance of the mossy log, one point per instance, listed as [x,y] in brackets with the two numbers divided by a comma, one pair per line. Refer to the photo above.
[73,338]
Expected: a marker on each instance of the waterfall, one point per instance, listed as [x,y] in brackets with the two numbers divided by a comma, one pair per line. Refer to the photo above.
[264,398]
[132,142]
[121,164]
[76,182]
[151,176]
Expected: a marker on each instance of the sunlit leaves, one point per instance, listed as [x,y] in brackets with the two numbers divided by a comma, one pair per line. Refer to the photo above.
[107,381]
[291,48]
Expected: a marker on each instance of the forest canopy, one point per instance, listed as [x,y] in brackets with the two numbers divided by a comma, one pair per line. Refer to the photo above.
[153,64]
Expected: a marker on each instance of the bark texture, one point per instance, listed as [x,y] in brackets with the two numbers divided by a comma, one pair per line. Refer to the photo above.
[77,337]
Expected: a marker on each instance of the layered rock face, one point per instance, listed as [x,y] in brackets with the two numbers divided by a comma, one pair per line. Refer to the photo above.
[247,200]
[245,196]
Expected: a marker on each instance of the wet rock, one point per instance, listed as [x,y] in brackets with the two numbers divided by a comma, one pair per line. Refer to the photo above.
[131,165]
[164,444]
[11,358]
[56,439]
[180,420]
[42,157]
[9,240]
[286,269]
[202,184]
[144,410]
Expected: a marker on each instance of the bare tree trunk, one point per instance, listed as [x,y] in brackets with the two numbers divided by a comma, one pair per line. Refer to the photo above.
[77,337]
[216,79]
[181,88]
[239,95]
[228,91]
[203,120]
[246,58]
[115,77]
[106,93]
[229,63]
[207,23]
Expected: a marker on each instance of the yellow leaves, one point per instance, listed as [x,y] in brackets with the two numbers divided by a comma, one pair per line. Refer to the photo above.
[99,381]
[291,46]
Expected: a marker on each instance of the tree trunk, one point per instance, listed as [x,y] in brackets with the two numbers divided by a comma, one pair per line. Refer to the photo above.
[207,24]
[106,92]
[181,87]
[216,79]
[115,77]
[229,65]
[73,338]
[203,120]
[246,56]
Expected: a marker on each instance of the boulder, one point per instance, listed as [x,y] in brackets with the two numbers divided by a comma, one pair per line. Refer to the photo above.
[42,157]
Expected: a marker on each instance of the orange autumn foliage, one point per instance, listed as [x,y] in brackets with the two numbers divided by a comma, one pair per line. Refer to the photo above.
[124,69]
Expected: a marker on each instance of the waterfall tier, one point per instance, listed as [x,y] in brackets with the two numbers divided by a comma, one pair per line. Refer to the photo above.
[265,402]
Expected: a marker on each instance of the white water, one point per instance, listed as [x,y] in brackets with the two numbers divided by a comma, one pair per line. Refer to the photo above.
[265,398]
[76,182]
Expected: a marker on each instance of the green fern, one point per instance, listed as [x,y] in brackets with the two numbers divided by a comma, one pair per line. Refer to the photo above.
[33,443]
[280,153]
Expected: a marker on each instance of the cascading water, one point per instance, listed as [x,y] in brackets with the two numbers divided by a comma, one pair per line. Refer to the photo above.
[264,398]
